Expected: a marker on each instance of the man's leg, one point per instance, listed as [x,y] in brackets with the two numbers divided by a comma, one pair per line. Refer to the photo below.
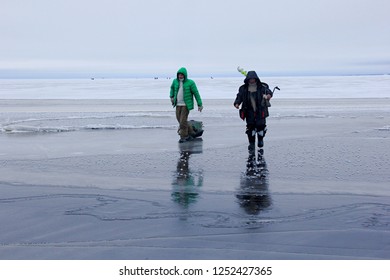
[250,130]
[261,131]
[182,115]
[251,133]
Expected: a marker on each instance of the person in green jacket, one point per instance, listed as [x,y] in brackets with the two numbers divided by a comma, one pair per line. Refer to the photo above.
[183,91]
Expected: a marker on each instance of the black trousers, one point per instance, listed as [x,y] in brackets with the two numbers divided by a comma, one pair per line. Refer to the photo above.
[255,124]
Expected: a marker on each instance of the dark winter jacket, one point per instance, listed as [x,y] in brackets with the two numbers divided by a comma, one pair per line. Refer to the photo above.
[189,90]
[243,96]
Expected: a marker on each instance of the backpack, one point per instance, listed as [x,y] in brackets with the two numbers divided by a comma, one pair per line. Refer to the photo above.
[197,127]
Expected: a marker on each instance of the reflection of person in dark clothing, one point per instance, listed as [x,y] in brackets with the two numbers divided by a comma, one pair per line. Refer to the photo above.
[254,97]
[253,195]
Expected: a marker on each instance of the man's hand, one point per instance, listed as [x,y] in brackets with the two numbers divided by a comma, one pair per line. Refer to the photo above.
[237,106]
[200,108]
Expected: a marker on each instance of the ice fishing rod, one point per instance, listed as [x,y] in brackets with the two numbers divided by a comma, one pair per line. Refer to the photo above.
[242,71]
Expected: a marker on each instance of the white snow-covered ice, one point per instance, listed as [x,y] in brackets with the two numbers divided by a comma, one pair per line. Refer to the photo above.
[218,88]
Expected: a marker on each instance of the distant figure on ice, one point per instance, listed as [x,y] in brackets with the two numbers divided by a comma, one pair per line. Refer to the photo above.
[254,97]
[182,95]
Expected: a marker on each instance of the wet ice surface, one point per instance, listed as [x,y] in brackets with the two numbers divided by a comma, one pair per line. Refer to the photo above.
[127,190]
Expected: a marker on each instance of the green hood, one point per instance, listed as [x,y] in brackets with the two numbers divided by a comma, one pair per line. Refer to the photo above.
[183,71]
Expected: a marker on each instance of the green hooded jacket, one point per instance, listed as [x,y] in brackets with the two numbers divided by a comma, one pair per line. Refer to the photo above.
[189,90]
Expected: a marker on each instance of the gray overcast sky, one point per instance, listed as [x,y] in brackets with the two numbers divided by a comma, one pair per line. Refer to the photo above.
[47,38]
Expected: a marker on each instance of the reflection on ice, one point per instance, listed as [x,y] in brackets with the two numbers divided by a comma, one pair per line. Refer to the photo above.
[185,185]
[253,194]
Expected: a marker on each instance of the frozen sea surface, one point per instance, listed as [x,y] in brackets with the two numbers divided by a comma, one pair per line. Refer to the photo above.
[107,179]
[217,88]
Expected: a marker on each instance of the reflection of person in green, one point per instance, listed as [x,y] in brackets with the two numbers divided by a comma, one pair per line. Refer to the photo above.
[253,195]
[186,183]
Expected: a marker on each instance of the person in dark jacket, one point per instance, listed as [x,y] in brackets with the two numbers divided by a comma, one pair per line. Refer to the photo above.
[254,96]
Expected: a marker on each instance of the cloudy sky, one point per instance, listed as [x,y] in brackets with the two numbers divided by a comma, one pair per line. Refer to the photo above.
[134,38]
